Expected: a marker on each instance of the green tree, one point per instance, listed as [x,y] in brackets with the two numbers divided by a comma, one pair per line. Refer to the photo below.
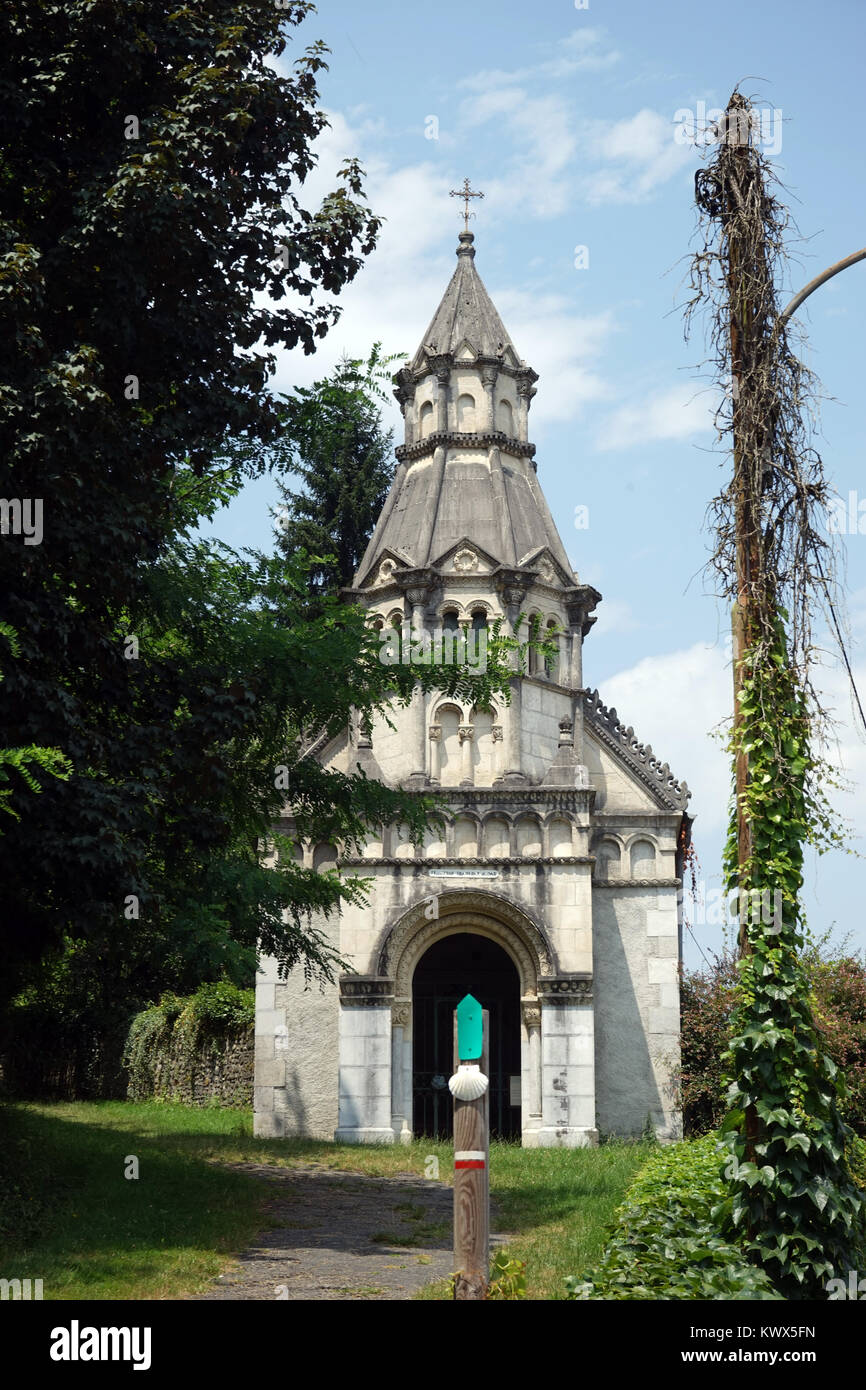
[333,441]
[240,674]
[150,232]
[24,761]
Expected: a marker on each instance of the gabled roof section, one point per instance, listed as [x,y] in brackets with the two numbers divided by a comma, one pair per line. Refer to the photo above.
[387,562]
[656,776]
[464,555]
[466,317]
[550,568]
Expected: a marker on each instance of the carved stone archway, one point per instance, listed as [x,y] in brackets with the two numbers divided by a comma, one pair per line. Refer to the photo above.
[460,910]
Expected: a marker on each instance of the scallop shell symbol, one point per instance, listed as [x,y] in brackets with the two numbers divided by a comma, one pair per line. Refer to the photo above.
[468,1083]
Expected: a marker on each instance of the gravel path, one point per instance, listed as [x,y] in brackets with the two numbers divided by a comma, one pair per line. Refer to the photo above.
[336,1235]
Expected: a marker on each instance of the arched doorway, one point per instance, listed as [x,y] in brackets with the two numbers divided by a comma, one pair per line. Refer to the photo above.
[464,963]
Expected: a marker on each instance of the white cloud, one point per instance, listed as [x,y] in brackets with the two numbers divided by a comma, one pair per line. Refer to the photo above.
[581,50]
[614,615]
[673,701]
[678,413]
[395,294]
[561,345]
[637,155]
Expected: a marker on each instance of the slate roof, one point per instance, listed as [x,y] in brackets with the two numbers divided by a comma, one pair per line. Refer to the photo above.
[466,313]
[497,506]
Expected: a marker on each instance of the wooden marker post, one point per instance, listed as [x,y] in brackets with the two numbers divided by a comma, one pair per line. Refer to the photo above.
[471,1149]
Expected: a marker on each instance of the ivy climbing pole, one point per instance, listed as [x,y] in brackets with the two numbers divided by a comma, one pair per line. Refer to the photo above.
[791,1201]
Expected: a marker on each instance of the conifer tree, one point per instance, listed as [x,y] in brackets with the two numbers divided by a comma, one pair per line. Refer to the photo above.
[333,440]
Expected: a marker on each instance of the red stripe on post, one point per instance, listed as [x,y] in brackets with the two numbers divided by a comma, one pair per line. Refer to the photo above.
[469,1163]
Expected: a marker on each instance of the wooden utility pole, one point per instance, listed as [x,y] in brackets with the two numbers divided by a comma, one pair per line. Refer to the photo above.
[737,189]
[471,1151]
[743,269]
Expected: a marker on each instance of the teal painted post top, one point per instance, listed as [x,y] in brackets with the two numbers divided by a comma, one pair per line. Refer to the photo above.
[469,1029]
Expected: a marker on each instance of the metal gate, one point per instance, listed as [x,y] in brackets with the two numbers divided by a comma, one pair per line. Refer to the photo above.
[436,996]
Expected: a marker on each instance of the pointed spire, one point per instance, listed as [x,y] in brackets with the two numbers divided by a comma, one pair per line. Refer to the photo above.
[466,313]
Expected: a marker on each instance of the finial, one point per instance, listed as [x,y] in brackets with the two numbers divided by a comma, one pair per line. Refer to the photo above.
[465,193]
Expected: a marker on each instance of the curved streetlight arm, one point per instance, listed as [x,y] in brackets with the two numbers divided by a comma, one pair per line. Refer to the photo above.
[819,280]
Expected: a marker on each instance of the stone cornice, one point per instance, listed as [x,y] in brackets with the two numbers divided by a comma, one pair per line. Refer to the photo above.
[655,775]
[608,820]
[407,453]
[564,798]
[427,360]
[637,883]
[476,862]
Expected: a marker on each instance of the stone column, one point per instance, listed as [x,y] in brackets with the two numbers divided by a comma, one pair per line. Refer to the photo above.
[489,376]
[465,732]
[405,393]
[435,753]
[496,769]
[401,1072]
[443,376]
[532,1022]
[513,772]
[416,595]
[365,1115]
[525,392]
[418,775]
[567,1063]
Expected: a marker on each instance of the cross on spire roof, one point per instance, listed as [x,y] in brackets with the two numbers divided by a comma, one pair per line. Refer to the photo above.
[465,193]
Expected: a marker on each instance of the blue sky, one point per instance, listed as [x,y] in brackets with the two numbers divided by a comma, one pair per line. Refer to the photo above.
[567,119]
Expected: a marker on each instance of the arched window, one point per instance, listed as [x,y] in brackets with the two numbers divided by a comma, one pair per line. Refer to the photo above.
[529,837]
[534,631]
[497,841]
[465,838]
[505,418]
[466,412]
[560,839]
[551,663]
[324,858]
[449,718]
[450,621]
[402,846]
[425,418]
[606,860]
[479,620]
[643,859]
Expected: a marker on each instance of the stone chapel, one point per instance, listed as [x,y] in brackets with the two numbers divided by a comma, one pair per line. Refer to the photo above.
[552,894]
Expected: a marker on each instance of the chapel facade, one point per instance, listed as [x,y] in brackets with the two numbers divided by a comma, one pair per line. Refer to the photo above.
[551,893]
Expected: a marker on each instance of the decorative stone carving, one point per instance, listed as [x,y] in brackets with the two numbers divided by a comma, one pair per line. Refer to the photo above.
[566,989]
[465,731]
[464,909]
[640,757]
[366,991]
[465,561]
[483,439]
[401,1013]
[532,1014]
[385,572]
[496,731]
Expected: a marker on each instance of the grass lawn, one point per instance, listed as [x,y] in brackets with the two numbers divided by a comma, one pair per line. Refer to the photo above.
[70,1217]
